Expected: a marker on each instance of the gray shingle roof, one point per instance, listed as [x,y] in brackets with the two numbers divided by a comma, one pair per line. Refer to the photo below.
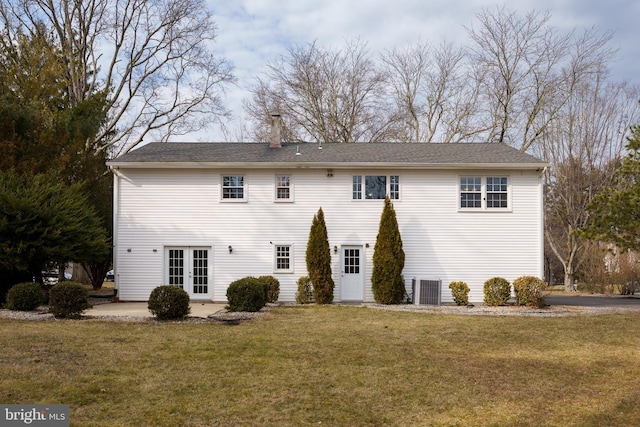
[181,154]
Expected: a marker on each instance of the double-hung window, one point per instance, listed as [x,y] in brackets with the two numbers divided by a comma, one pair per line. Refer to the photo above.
[484,193]
[373,187]
[233,187]
[497,192]
[283,262]
[284,188]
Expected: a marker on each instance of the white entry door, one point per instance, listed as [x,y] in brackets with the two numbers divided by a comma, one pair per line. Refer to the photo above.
[352,280]
[188,268]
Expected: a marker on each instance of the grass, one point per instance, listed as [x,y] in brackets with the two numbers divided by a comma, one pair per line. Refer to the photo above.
[333,365]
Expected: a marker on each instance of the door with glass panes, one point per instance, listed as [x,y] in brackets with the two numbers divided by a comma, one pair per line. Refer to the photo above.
[352,280]
[189,269]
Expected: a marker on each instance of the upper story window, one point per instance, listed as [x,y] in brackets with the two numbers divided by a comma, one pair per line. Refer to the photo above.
[283,188]
[471,192]
[497,192]
[478,192]
[375,187]
[233,187]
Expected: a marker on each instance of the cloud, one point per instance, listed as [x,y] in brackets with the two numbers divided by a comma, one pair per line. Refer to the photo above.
[253,32]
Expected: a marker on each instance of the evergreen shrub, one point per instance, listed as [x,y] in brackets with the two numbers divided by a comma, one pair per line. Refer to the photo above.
[168,302]
[318,257]
[246,294]
[25,296]
[388,260]
[272,286]
[304,295]
[497,291]
[460,292]
[68,300]
[528,290]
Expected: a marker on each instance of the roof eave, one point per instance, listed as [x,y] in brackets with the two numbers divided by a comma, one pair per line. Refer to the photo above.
[321,165]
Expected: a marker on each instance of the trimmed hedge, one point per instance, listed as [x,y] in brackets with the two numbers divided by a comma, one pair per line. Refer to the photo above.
[246,294]
[168,302]
[528,290]
[25,296]
[497,291]
[460,292]
[272,286]
[68,300]
[305,291]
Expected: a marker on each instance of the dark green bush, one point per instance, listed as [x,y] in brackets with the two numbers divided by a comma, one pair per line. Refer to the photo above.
[246,294]
[318,257]
[273,287]
[497,291]
[388,259]
[169,302]
[460,292]
[305,291]
[528,290]
[25,296]
[68,300]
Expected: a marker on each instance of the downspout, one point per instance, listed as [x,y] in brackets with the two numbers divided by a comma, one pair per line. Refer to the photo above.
[116,209]
[542,224]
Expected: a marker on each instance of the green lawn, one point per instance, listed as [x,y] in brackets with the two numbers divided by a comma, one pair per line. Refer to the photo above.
[334,365]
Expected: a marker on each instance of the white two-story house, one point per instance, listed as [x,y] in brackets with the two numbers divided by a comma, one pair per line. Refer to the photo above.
[201,215]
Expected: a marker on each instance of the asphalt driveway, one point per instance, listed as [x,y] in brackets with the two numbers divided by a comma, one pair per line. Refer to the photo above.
[613,301]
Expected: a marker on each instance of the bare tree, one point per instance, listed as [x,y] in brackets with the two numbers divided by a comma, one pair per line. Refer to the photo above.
[435,98]
[153,57]
[584,145]
[323,95]
[529,71]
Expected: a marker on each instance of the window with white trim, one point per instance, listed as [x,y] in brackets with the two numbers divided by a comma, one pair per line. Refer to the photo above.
[283,188]
[233,187]
[497,195]
[374,187]
[491,192]
[283,262]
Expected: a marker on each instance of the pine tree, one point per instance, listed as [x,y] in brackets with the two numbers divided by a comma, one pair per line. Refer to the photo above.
[615,212]
[319,260]
[388,260]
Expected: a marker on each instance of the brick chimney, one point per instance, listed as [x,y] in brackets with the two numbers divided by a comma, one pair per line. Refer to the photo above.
[276,131]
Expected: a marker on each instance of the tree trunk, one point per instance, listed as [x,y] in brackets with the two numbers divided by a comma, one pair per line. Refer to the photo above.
[569,279]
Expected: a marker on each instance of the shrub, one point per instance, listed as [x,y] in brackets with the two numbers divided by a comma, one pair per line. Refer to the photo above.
[318,257]
[497,291]
[68,300]
[305,291]
[25,296]
[246,294]
[460,292]
[272,286]
[169,302]
[388,259]
[528,290]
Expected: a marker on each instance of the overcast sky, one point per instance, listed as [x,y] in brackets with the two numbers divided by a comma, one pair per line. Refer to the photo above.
[253,32]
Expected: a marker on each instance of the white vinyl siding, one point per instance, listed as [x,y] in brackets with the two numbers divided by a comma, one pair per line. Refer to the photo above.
[180,208]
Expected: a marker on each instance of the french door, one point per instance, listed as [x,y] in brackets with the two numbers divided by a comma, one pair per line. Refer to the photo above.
[189,269]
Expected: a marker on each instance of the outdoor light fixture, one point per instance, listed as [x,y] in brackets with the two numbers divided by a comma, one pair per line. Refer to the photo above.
[335,249]
[230,249]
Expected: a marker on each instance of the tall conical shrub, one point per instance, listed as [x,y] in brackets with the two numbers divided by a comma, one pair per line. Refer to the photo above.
[388,260]
[319,260]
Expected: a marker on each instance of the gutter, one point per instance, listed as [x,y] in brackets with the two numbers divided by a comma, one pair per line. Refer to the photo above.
[324,165]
